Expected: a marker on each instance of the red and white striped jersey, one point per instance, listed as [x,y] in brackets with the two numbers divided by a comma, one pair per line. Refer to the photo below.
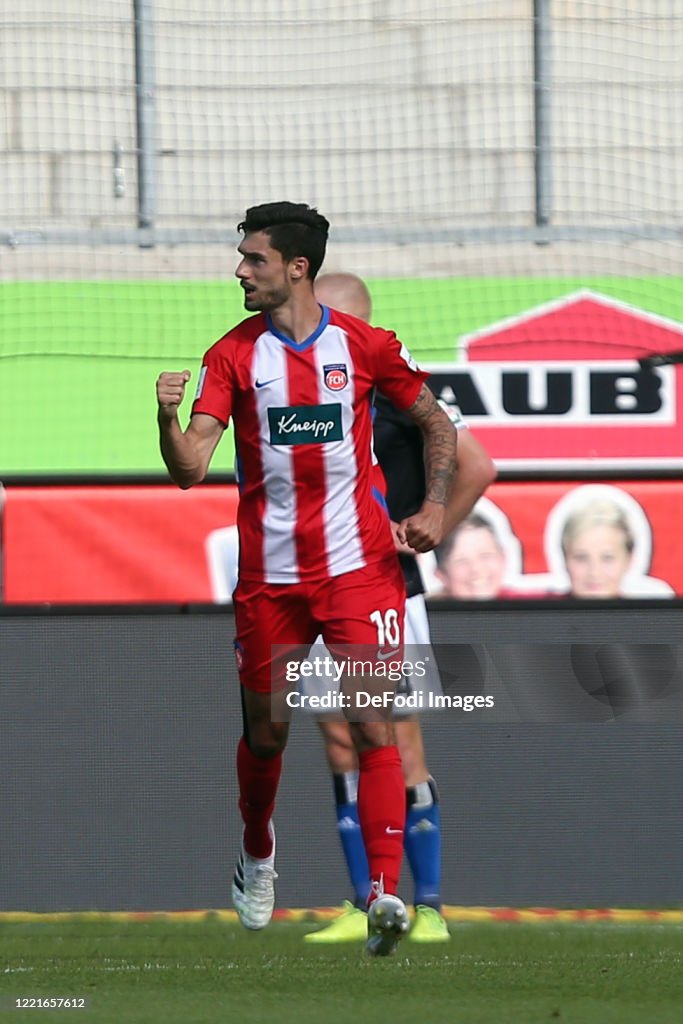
[303,437]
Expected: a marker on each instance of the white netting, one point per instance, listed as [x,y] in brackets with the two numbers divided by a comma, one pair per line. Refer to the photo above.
[442,138]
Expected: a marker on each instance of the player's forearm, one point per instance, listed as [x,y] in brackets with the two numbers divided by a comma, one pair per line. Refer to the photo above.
[183,461]
[475,472]
[440,446]
[464,497]
[440,457]
[426,529]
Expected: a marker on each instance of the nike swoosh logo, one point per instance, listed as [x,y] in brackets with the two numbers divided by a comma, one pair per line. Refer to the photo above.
[384,656]
[393,831]
[263,383]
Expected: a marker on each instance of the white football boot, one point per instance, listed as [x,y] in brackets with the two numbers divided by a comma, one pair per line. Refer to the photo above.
[253,888]
[387,922]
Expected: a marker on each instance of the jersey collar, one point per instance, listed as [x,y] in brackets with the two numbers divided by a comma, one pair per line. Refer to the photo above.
[311,340]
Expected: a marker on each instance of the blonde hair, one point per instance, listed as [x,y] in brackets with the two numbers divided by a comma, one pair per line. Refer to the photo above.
[599,512]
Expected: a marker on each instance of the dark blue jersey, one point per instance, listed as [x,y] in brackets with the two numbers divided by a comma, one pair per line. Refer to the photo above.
[400,452]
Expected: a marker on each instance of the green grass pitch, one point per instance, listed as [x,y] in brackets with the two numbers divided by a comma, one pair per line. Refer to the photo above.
[213,971]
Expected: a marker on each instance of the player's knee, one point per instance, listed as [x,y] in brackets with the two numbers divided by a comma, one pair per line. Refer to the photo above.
[267,740]
[341,758]
[369,735]
[339,748]
[266,749]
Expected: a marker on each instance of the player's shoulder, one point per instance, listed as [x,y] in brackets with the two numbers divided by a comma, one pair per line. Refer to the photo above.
[354,326]
[247,331]
[367,341]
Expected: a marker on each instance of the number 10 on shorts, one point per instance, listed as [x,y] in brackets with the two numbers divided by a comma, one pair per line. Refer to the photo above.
[388,627]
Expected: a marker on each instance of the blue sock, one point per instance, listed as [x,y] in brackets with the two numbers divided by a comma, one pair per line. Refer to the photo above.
[348,826]
[422,842]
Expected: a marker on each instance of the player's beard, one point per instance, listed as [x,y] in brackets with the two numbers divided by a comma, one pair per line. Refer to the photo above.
[265,301]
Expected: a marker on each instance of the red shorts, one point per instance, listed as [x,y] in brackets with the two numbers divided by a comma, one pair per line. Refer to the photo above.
[364,607]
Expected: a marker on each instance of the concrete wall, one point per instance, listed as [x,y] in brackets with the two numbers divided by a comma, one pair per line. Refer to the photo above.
[383,112]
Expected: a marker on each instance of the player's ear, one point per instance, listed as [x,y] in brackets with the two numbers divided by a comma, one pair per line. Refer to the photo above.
[298,268]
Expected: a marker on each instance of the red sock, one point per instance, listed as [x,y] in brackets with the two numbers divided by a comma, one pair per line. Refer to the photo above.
[258,781]
[382,813]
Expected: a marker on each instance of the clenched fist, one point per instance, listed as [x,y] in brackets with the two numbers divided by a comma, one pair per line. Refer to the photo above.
[424,530]
[171,391]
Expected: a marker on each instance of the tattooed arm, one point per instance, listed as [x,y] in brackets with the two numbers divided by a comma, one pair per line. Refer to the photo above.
[425,529]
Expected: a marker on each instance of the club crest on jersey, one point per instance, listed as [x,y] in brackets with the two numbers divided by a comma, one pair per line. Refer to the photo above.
[336,376]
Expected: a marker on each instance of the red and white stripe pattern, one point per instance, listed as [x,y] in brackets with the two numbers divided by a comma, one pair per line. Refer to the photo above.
[306,509]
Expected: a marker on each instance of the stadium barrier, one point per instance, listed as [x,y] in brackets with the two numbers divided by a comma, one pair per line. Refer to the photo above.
[120,725]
